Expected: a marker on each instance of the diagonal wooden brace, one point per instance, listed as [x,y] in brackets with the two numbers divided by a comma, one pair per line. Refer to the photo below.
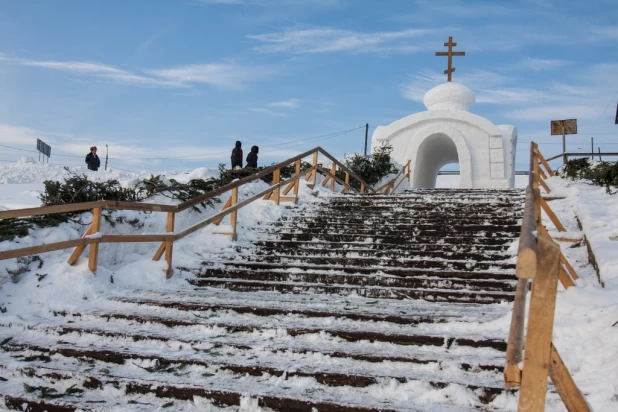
[225,206]
[564,384]
[77,252]
[552,216]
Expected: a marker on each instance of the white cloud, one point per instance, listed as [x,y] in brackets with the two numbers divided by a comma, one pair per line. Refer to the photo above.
[18,135]
[329,40]
[600,33]
[286,104]
[226,75]
[98,70]
[536,65]
[540,113]
[223,75]
[267,111]
[224,1]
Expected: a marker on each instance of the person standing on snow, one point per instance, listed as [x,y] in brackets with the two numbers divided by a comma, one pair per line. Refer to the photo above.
[237,155]
[252,157]
[92,160]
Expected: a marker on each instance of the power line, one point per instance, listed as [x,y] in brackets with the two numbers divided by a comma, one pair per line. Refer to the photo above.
[610,102]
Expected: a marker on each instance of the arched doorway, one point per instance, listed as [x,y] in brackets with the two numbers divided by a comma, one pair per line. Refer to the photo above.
[433,153]
[434,146]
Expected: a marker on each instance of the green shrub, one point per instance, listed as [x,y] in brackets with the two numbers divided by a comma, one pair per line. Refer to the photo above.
[373,168]
[597,173]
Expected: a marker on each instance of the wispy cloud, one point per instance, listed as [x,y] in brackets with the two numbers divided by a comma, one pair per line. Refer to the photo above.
[537,65]
[601,33]
[540,113]
[286,104]
[329,40]
[267,111]
[227,75]
[223,75]
[226,2]
[583,99]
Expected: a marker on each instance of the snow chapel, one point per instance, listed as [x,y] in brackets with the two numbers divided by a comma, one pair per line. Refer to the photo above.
[448,133]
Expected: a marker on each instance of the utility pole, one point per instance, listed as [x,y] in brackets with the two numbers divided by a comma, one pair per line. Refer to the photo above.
[592,148]
[366,134]
[106,156]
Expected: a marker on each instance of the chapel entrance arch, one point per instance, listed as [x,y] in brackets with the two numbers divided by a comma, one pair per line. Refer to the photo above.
[433,153]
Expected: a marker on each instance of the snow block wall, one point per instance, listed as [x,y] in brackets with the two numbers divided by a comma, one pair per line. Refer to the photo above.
[448,133]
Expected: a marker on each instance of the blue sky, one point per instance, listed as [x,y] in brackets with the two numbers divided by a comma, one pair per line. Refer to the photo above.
[172,84]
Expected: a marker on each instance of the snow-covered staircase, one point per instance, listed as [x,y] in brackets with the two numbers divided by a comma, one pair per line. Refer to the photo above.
[361,303]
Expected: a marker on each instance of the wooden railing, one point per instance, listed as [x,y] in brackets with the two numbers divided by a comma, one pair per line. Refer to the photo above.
[393,184]
[539,260]
[93,237]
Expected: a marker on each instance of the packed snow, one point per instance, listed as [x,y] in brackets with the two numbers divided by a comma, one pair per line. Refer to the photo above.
[586,321]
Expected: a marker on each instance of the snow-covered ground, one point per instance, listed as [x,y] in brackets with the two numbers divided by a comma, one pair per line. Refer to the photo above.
[585,315]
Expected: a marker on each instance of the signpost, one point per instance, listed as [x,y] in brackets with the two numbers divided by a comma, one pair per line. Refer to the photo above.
[43,149]
[563,127]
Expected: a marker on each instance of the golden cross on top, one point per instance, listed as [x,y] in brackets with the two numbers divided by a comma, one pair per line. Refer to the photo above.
[450,53]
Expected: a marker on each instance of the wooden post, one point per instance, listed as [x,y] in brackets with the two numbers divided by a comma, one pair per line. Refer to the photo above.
[169,244]
[409,170]
[540,327]
[93,256]
[333,171]
[297,183]
[347,182]
[362,188]
[564,384]
[277,191]
[314,174]
[234,214]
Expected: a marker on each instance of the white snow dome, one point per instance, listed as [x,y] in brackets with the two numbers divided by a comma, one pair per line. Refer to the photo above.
[449,96]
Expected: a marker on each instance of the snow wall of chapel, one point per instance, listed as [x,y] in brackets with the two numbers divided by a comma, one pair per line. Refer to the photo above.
[448,133]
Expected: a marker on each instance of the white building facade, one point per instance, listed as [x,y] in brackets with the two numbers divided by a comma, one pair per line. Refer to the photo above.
[448,133]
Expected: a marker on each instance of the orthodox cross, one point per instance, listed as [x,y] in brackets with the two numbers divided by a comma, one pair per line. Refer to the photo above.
[450,53]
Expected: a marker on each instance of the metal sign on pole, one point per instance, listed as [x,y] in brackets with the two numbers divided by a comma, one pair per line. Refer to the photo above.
[43,149]
[563,127]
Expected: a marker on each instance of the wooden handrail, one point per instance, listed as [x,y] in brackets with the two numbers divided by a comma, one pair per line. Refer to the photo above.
[345,169]
[392,182]
[231,207]
[538,258]
[567,154]
[237,206]
[527,252]
[219,191]
[515,343]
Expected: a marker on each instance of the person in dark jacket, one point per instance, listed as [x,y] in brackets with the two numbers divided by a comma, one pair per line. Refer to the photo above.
[252,157]
[237,155]
[92,160]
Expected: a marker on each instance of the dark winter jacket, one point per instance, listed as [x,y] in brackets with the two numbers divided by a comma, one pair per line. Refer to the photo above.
[237,155]
[252,157]
[93,162]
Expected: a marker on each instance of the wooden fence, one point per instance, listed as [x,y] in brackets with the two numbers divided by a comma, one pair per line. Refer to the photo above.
[539,260]
[277,192]
[394,183]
